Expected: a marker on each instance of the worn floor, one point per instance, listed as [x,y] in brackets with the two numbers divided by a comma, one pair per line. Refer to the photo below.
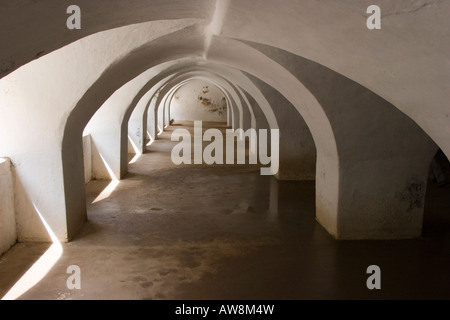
[226,232]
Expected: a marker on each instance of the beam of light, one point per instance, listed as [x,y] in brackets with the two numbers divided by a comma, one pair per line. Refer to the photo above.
[136,151]
[107,191]
[110,171]
[40,268]
[150,138]
[159,131]
[136,156]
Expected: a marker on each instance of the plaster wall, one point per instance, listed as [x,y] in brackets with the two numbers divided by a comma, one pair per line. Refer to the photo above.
[297,151]
[87,156]
[8,235]
[151,118]
[140,124]
[118,126]
[160,113]
[40,104]
[105,128]
[199,100]
[356,116]
[234,86]
[249,116]
[409,55]
[137,127]
[383,175]
[406,63]
[346,131]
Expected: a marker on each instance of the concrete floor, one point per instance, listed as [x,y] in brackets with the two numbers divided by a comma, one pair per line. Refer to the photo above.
[225,232]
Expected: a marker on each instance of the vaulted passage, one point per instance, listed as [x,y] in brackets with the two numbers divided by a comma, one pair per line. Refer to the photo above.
[227,149]
[222,232]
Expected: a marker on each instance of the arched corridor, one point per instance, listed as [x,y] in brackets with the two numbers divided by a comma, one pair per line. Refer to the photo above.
[222,232]
[323,149]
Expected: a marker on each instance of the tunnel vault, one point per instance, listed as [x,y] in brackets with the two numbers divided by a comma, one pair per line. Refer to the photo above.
[367,146]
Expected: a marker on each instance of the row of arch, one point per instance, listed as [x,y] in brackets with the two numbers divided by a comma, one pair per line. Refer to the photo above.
[362,151]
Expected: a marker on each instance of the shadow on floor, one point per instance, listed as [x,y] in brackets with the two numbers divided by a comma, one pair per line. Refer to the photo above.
[226,232]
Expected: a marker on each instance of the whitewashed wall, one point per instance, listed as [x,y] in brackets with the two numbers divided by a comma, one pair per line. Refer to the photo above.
[8,234]
[199,100]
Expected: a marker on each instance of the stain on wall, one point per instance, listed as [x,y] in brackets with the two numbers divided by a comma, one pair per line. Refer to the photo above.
[413,195]
[199,100]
